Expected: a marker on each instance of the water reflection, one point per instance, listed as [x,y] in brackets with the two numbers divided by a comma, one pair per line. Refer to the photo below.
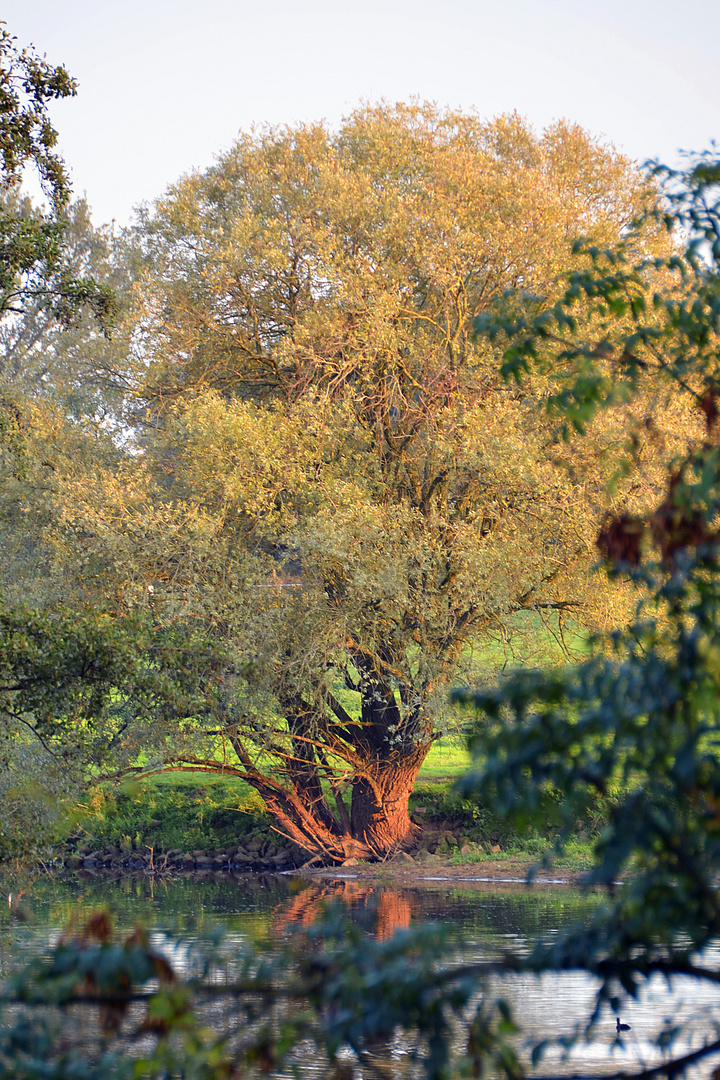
[485,921]
[489,918]
[392,909]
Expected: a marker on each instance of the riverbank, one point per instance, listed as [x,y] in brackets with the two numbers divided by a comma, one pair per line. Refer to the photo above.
[439,844]
[399,872]
[191,823]
[403,872]
[262,855]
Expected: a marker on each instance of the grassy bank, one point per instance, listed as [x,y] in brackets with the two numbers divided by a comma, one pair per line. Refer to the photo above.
[189,813]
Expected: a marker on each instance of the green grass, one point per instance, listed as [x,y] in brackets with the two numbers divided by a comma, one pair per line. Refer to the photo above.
[448,760]
[576,854]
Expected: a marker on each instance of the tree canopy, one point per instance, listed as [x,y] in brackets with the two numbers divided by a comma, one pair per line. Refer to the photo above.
[32,265]
[335,486]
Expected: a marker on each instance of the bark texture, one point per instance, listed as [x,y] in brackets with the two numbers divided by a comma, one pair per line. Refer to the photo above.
[336,786]
[371,763]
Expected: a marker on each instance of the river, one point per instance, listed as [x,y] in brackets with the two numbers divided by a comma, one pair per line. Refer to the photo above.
[486,919]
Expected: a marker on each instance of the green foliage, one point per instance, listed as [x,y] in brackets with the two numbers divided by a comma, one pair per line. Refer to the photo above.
[71,685]
[60,669]
[76,364]
[32,264]
[27,84]
[538,835]
[59,674]
[178,811]
[37,793]
[641,716]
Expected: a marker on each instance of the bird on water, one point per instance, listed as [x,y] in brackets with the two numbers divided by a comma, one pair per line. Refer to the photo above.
[621,1027]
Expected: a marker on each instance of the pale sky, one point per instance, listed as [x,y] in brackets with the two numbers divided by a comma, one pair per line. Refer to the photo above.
[166,85]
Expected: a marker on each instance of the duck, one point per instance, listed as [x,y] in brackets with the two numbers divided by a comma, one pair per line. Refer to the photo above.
[619,1026]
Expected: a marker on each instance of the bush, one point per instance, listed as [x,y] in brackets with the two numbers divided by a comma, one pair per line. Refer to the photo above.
[37,799]
[182,812]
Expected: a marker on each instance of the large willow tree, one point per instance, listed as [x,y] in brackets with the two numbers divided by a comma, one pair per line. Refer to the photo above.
[336,491]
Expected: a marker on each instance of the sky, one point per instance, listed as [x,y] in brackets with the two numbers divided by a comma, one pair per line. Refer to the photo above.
[166,85]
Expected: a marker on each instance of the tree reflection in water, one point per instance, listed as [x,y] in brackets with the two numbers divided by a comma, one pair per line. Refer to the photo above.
[386,910]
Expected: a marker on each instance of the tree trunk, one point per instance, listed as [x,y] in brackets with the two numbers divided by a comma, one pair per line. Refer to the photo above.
[378,824]
[379,815]
[324,753]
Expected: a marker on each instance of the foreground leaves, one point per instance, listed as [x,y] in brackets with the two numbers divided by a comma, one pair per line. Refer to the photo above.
[640,720]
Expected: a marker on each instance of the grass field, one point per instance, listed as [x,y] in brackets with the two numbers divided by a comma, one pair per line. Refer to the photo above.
[448,760]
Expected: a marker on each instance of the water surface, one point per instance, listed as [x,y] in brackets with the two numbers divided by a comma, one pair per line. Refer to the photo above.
[485,920]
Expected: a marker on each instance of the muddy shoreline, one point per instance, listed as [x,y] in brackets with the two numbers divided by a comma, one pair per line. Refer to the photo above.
[442,871]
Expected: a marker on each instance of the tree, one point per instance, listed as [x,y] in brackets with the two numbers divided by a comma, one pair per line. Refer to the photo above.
[335,487]
[32,265]
[77,365]
[639,720]
[58,665]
